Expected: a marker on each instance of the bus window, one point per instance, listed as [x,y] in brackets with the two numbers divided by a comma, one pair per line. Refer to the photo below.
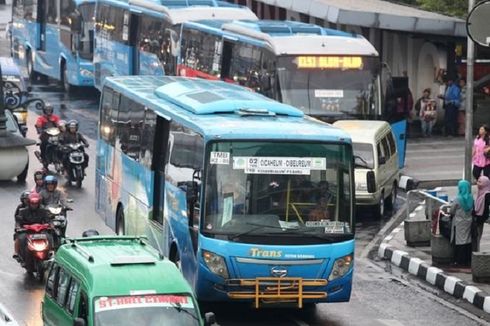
[185,167]
[130,121]
[201,52]
[245,65]
[106,123]
[67,8]
[147,138]
[30,10]
[86,37]
[17,9]
[51,12]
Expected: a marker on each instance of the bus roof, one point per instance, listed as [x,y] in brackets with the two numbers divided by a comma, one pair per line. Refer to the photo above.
[223,110]
[112,265]
[180,11]
[282,37]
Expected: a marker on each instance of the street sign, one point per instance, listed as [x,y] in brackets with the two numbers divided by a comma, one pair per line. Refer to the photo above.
[477,24]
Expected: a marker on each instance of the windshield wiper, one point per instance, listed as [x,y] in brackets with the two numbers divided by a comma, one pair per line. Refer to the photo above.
[177,306]
[257,227]
[364,163]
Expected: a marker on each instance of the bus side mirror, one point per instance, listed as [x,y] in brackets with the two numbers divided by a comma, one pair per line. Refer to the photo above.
[79,322]
[209,318]
[371,182]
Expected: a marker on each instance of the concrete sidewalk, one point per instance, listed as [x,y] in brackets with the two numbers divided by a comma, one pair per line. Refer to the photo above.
[418,262]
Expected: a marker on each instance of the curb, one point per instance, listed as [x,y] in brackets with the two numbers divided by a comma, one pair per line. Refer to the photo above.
[435,276]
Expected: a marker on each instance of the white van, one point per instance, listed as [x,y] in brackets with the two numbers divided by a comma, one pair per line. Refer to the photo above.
[376,163]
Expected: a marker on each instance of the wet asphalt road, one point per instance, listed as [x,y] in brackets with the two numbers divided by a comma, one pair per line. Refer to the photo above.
[381,295]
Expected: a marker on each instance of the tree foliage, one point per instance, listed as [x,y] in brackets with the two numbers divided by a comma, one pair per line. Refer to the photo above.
[457,8]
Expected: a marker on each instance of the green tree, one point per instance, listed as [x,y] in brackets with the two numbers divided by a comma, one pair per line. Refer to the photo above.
[457,8]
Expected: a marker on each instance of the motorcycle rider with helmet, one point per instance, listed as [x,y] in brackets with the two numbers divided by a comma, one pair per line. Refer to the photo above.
[24,201]
[32,214]
[50,195]
[47,120]
[72,136]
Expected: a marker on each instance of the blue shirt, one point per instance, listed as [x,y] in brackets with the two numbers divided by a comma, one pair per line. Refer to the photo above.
[453,95]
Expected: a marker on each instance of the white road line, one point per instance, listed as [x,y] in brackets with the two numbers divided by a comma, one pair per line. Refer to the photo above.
[390,322]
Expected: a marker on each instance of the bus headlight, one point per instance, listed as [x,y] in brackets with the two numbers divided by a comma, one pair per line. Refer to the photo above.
[86,73]
[215,263]
[341,266]
[361,186]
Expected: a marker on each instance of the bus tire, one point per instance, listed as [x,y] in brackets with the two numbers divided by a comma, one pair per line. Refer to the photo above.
[30,66]
[175,258]
[64,79]
[120,229]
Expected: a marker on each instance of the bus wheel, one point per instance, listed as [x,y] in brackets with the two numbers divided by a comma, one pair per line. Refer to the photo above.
[120,221]
[30,67]
[64,80]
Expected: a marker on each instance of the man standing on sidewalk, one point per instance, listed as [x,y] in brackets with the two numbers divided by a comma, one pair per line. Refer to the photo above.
[451,99]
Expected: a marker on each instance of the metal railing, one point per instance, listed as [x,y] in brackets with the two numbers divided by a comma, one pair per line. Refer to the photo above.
[433,206]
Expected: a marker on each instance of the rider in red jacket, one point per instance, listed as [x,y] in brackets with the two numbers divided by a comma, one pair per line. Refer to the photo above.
[43,122]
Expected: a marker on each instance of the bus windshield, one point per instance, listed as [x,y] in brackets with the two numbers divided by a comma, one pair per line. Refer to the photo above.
[279,193]
[151,310]
[323,87]
[86,49]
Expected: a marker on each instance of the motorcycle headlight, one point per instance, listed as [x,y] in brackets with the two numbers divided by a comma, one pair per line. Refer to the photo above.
[341,266]
[215,263]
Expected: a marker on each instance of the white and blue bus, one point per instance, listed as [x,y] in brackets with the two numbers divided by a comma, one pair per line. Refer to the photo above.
[327,73]
[141,37]
[55,38]
[253,200]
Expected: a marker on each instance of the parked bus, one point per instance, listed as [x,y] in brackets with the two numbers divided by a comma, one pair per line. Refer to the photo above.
[54,38]
[250,198]
[140,37]
[328,74]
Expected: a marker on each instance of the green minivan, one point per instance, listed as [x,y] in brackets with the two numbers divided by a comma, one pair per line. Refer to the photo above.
[117,280]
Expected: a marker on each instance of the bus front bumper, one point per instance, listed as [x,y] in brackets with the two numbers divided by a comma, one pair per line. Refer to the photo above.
[264,290]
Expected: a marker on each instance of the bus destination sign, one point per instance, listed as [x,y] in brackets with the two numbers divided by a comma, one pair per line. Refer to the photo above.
[329,62]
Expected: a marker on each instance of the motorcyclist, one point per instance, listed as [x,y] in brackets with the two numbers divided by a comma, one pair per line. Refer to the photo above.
[47,120]
[27,216]
[72,136]
[24,201]
[39,180]
[50,195]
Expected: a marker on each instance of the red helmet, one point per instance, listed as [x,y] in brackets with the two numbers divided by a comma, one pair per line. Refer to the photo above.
[34,198]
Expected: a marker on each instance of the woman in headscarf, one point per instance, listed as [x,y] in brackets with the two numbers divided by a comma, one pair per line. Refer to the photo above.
[481,211]
[461,210]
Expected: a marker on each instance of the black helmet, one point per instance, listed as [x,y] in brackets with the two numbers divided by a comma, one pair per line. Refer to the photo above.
[48,109]
[51,180]
[71,124]
[90,233]
[24,195]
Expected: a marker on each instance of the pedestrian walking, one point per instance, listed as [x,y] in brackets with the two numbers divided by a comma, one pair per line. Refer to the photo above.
[462,219]
[428,113]
[451,99]
[462,107]
[481,211]
[481,149]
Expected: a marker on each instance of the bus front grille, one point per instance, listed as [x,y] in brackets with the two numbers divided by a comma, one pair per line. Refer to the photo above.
[264,290]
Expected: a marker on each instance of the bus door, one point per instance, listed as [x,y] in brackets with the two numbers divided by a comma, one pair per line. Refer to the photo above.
[40,41]
[160,146]
[134,30]
[226,57]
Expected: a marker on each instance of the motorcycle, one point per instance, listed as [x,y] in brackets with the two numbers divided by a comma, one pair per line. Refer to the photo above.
[57,216]
[52,137]
[74,168]
[38,249]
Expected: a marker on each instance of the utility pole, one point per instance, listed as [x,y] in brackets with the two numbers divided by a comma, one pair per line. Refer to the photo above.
[470,58]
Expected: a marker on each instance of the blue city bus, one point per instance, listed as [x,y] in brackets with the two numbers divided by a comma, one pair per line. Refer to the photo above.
[327,73]
[253,200]
[140,37]
[54,38]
